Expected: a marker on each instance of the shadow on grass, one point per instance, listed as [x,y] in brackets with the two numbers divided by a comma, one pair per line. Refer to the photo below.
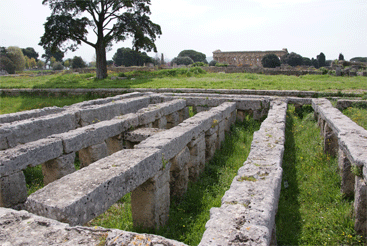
[288,218]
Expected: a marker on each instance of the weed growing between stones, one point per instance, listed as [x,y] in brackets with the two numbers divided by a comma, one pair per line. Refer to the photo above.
[312,210]
[33,178]
[189,214]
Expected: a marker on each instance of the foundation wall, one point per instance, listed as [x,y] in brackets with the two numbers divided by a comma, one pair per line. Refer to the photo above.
[347,140]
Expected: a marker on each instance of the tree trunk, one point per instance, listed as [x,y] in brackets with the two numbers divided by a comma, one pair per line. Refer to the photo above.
[101,62]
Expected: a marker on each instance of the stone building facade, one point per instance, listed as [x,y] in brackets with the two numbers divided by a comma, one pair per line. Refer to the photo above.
[245,58]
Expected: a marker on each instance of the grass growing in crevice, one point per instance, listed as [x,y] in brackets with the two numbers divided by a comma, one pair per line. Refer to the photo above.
[358,115]
[33,178]
[189,214]
[311,211]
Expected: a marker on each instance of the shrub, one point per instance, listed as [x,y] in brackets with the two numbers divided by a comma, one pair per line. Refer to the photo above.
[221,64]
[7,65]
[57,66]
[270,61]
[78,62]
[184,60]
[198,64]
[212,63]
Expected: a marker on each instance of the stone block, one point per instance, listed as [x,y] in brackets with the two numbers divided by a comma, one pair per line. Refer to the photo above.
[58,168]
[13,190]
[29,154]
[348,178]
[97,113]
[30,130]
[88,192]
[24,228]
[90,135]
[115,144]
[92,154]
[173,120]
[161,123]
[360,206]
[150,201]
[140,134]
[331,145]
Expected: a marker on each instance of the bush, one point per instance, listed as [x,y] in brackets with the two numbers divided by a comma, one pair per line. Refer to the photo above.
[198,64]
[78,62]
[7,65]
[221,64]
[15,54]
[184,60]
[270,61]
[292,59]
[212,63]
[57,66]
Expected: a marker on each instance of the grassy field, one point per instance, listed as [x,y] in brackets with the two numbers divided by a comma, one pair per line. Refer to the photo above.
[311,211]
[20,103]
[194,78]
[358,115]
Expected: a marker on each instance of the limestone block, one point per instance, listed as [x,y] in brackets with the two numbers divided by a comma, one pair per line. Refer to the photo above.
[161,123]
[92,154]
[241,115]
[23,228]
[360,206]
[183,114]
[115,144]
[202,108]
[97,113]
[29,130]
[150,201]
[90,135]
[7,118]
[331,145]
[348,178]
[211,146]
[90,191]
[180,173]
[58,168]
[13,190]
[29,154]
[173,120]
[140,134]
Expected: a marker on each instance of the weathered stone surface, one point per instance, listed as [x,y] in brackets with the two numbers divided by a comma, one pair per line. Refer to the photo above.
[156,111]
[348,178]
[58,168]
[30,154]
[21,132]
[23,228]
[93,134]
[88,192]
[96,113]
[92,153]
[13,190]
[360,206]
[247,213]
[7,118]
[150,201]
[140,134]
[180,173]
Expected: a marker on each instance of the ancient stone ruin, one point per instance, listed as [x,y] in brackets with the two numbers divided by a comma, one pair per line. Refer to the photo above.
[146,144]
[245,58]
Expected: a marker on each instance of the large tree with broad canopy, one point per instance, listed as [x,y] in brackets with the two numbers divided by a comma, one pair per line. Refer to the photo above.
[110,20]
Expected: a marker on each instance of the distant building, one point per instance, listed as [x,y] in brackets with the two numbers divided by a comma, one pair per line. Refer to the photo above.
[245,58]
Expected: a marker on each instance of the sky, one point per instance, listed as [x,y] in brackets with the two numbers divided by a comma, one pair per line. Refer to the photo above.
[306,27]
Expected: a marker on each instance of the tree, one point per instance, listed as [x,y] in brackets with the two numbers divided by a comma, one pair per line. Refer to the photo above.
[40,64]
[128,57]
[57,54]
[182,60]
[321,59]
[194,55]
[78,62]
[270,60]
[57,66]
[6,64]
[307,61]
[292,59]
[341,57]
[212,63]
[110,20]
[15,54]
[32,63]
[315,63]
[31,53]
[359,59]
[67,63]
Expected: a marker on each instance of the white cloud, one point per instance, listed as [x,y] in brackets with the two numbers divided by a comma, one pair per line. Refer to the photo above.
[280,3]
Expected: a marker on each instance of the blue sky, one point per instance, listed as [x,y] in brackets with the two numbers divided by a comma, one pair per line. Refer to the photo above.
[306,27]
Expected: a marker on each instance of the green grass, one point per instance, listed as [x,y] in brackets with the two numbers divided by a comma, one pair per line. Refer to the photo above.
[21,103]
[311,211]
[189,215]
[178,78]
[358,115]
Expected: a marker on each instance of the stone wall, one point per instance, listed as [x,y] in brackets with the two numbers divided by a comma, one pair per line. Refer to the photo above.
[347,140]
[243,58]
[144,143]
